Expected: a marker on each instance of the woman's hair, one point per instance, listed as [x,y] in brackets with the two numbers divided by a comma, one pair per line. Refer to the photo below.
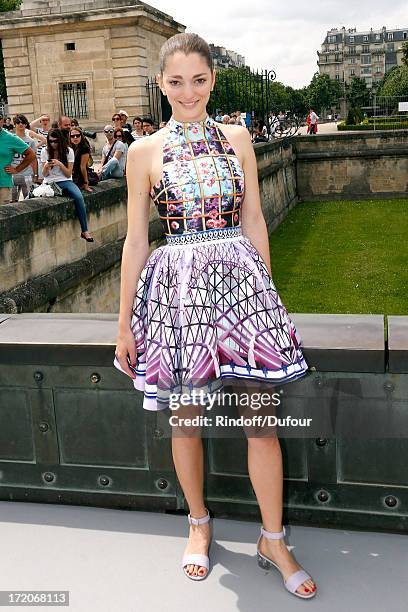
[22,119]
[62,148]
[138,119]
[186,42]
[121,132]
[83,145]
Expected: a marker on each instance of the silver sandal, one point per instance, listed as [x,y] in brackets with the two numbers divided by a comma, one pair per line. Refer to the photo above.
[197,558]
[296,579]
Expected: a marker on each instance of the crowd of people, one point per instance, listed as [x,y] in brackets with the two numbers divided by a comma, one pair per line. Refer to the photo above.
[59,155]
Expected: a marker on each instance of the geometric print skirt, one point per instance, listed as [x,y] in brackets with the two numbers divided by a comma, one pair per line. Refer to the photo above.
[205,313]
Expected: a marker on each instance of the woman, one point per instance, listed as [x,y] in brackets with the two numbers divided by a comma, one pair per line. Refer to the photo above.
[189,311]
[137,128]
[82,152]
[57,163]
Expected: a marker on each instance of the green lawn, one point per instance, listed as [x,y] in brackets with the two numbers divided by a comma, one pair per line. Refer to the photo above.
[343,257]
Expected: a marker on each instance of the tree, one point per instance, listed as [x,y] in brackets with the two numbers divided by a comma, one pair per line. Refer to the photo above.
[404,48]
[395,82]
[5,5]
[9,5]
[357,94]
[323,92]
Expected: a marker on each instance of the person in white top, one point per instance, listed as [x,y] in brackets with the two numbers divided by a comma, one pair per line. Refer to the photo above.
[57,163]
[137,128]
[312,121]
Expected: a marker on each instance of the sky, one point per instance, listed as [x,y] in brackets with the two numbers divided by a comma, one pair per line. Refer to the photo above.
[283,36]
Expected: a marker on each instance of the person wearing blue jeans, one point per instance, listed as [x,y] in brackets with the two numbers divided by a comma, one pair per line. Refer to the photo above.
[57,163]
[114,154]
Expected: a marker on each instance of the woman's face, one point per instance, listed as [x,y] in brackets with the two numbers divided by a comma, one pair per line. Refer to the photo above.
[118,136]
[188,82]
[75,137]
[137,125]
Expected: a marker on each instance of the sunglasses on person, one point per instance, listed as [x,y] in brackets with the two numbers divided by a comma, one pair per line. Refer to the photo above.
[75,135]
[108,131]
[117,118]
[52,140]
[118,135]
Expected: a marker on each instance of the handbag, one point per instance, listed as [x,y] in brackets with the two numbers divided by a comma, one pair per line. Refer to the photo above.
[93,178]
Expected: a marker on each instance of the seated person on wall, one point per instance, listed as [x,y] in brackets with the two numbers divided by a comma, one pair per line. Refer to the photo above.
[58,160]
[10,144]
[114,154]
[82,152]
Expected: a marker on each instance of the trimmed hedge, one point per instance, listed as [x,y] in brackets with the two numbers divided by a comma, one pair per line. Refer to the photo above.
[370,127]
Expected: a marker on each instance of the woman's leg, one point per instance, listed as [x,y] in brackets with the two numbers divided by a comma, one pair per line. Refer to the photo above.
[188,457]
[69,188]
[111,170]
[266,474]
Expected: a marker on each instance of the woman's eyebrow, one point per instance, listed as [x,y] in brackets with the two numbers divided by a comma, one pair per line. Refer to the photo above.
[177,76]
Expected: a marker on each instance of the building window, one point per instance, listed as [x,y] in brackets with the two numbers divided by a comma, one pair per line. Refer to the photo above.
[390,35]
[351,40]
[405,35]
[365,38]
[390,46]
[336,57]
[336,47]
[378,37]
[337,77]
[366,49]
[352,60]
[70,46]
[366,59]
[331,39]
[365,70]
[352,72]
[74,100]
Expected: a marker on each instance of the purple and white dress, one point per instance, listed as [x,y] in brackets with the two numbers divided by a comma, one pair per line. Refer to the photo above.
[206,311]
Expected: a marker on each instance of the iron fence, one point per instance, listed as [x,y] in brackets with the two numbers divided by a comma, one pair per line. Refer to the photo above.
[389,112]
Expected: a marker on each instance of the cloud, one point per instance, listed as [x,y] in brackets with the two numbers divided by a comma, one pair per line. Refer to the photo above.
[284,36]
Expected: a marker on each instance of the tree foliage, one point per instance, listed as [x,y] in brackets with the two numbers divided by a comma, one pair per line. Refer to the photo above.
[395,82]
[9,5]
[357,94]
[323,92]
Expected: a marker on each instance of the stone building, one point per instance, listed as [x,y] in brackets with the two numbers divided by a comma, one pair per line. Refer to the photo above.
[85,59]
[369,54]
[225,58]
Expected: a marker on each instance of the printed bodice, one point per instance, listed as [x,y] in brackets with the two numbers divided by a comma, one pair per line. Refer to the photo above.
[202,186]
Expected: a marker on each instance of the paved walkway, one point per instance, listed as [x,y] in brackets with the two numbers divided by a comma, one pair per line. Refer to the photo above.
[129,561]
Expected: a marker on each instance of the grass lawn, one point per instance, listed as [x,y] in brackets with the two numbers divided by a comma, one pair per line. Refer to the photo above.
[343,257]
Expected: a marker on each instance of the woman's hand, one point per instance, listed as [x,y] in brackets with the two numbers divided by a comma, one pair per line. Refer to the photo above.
[56,162]
[87,188]
[125,345]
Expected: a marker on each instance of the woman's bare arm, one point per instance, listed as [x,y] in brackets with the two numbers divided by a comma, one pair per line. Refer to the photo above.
[252,218]
[136,245]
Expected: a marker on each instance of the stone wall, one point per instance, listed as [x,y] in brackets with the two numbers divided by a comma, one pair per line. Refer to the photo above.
[352,165]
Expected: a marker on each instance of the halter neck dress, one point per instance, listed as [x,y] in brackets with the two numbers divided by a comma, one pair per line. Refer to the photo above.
[206,309]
